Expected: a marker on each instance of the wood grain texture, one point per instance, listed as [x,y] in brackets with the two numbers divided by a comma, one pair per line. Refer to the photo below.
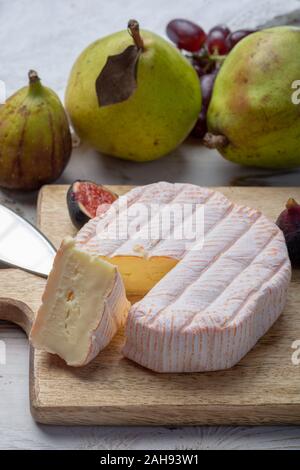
[262,389]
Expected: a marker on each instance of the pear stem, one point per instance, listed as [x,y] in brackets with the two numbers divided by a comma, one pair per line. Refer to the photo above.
[217,58]
[213,141]
[134,30]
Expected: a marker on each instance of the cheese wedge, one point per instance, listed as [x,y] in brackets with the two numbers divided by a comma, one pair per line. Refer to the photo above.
[83,306]
[214,305]
[143,262]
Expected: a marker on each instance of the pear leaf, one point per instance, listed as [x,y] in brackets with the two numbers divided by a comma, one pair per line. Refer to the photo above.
[118,79]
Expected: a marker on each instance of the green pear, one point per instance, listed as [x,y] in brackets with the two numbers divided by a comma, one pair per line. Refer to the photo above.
[252,118]
[155,118]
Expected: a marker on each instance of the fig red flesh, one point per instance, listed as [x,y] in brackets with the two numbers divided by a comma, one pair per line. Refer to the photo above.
[85,198]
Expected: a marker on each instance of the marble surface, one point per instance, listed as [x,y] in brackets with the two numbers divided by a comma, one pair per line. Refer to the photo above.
[48,36]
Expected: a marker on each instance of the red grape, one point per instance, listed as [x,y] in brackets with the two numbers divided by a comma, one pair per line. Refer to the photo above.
[207,84]
[222,28]
[186,35]
[236,36]
[216,43]
[200,127]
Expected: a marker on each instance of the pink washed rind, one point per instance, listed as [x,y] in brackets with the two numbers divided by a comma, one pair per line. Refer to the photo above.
[156,193]
[161,343]
[113,318]
[210,348]
[168,339]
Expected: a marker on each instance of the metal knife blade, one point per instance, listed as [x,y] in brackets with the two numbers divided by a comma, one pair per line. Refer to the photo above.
[22,245]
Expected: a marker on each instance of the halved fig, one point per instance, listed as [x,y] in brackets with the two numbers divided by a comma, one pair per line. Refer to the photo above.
[84,198]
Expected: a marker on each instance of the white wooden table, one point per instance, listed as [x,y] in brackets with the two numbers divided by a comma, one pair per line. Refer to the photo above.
[48,36]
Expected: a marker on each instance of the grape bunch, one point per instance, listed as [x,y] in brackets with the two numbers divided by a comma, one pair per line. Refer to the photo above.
[206,53]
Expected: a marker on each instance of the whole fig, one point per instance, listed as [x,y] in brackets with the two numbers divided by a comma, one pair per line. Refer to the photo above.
[35,139]
[252,119]
[289,222]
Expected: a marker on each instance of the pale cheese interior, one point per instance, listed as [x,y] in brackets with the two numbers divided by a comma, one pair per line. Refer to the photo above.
[73,304]
[141,274]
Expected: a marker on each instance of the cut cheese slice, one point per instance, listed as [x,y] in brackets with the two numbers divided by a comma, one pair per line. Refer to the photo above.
[84,304]
[214,305]
[143,262]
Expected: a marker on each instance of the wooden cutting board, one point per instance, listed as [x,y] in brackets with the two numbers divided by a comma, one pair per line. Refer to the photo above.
[263,388]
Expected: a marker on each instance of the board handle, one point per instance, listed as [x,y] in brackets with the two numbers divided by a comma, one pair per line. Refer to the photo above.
[16,312]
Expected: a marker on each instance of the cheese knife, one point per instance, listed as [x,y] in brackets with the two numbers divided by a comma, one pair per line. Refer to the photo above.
[23,246]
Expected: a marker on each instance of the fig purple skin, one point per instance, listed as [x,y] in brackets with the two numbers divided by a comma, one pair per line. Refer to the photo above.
[289,222]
